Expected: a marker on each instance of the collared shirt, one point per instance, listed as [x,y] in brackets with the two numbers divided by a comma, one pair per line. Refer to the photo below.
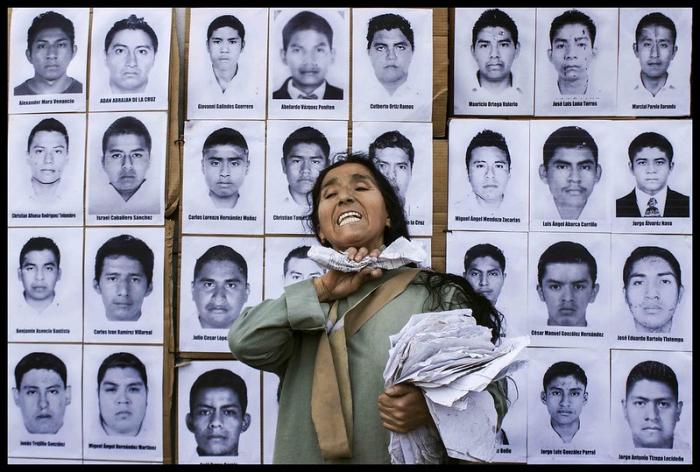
[27,314]
[234,87]
[643,200]
[147,200]
[510,206]
[514,92]
[592,90]
[592,211]
[669,92]
[295,93]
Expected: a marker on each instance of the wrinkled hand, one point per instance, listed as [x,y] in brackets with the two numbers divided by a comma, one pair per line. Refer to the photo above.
[402,408]
[335,284]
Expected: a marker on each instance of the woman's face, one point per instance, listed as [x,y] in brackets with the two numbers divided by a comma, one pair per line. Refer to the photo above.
[351,209]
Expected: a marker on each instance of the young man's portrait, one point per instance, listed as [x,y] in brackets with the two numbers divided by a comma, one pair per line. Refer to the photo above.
[494,61]
[298,266]
[390,47]
[572,50]
[487,162]
[651,163]
[122,393]
[47,156]
[570,170]
[225,166]
[567,283]
[224,66]
[393,154]
[39,271]
[41,392]
[123,276]
[219,287]
[305,154]
[653,288]
[654,61]
[565,396]
[217,415]
[131,55]
[485,270]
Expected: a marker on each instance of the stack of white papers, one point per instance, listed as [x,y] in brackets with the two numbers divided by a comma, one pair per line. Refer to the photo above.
[452,360]
[397,254]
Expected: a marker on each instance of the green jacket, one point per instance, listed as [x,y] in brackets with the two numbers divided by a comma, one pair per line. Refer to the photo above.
[282,335]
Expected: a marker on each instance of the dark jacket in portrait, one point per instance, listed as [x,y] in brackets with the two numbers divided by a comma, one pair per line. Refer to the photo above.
[677,205]
[332,93]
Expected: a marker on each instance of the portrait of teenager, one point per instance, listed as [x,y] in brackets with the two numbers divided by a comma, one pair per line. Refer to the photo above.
[130,49]
[354,209]
[122,393]
[50,49]
[655,47]
[39,271]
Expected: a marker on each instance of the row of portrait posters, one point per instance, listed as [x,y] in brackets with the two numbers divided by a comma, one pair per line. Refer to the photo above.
[567,405]
[567,62]
[566,169]
[129,59]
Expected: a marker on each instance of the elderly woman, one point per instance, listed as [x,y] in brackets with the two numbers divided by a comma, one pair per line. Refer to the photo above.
[329,415]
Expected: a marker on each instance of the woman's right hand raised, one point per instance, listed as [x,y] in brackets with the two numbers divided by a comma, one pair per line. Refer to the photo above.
[335,284]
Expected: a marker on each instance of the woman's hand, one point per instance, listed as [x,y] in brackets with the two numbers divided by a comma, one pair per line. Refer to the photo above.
[402,408]
[335,284]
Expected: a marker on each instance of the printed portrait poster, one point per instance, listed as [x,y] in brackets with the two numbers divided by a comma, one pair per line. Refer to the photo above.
[124,302]
[126,168]
[219,413]
[568,307]
[653,159]
[45,163]
[653,300]
[494,69]
[227,279]
[44,290]
[130,59]
[491,263]
[309,70]
[53,430]
[488,175]
[511,444]
[392,71]
[654,78]
[49,74]
[575,71]
[226,63]
[287,262]
[310,147]
[403,152]
[651,418]
[223,183]
[270,410]
[568,406]
[570,175]
[112,428]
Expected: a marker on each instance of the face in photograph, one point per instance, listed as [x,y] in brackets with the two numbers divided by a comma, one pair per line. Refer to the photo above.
[572,51]
[298,266]
[123,286]
[571,176]
[225,168]
[225,45]
[651,168]
[130,55]
[123,398]
[567,289]
[219,291]
[655,47]
[390,50]
[652,293]
[309,54]
[396,166]
[42,396]
[302,166]
[565,398]
[486,276]
[39,274]
[217,414]
[488,172]
[126,160]
[652,411]
[494,48]
[47,157]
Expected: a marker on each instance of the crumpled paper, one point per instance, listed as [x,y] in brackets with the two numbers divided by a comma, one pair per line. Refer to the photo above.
[452,360]
[397,254]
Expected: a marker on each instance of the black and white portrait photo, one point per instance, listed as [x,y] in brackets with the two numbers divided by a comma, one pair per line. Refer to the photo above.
[130,59]
[569,289]
[48,59]
[219,413]
[219,277]
[123,286]
[569,175]
[494,61]
[568,405]
[654,161]
[511,440]
[576,57]
[403,153]
[488,175]
[297,151]
[392,55]
[224,177]
[287,262]
[44,400]
[489,261]
[45,162]
[44,290]
[309,63]
[126,168]
[651,407]
[653,299]
[654,59]
[123,402]
[226,63]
